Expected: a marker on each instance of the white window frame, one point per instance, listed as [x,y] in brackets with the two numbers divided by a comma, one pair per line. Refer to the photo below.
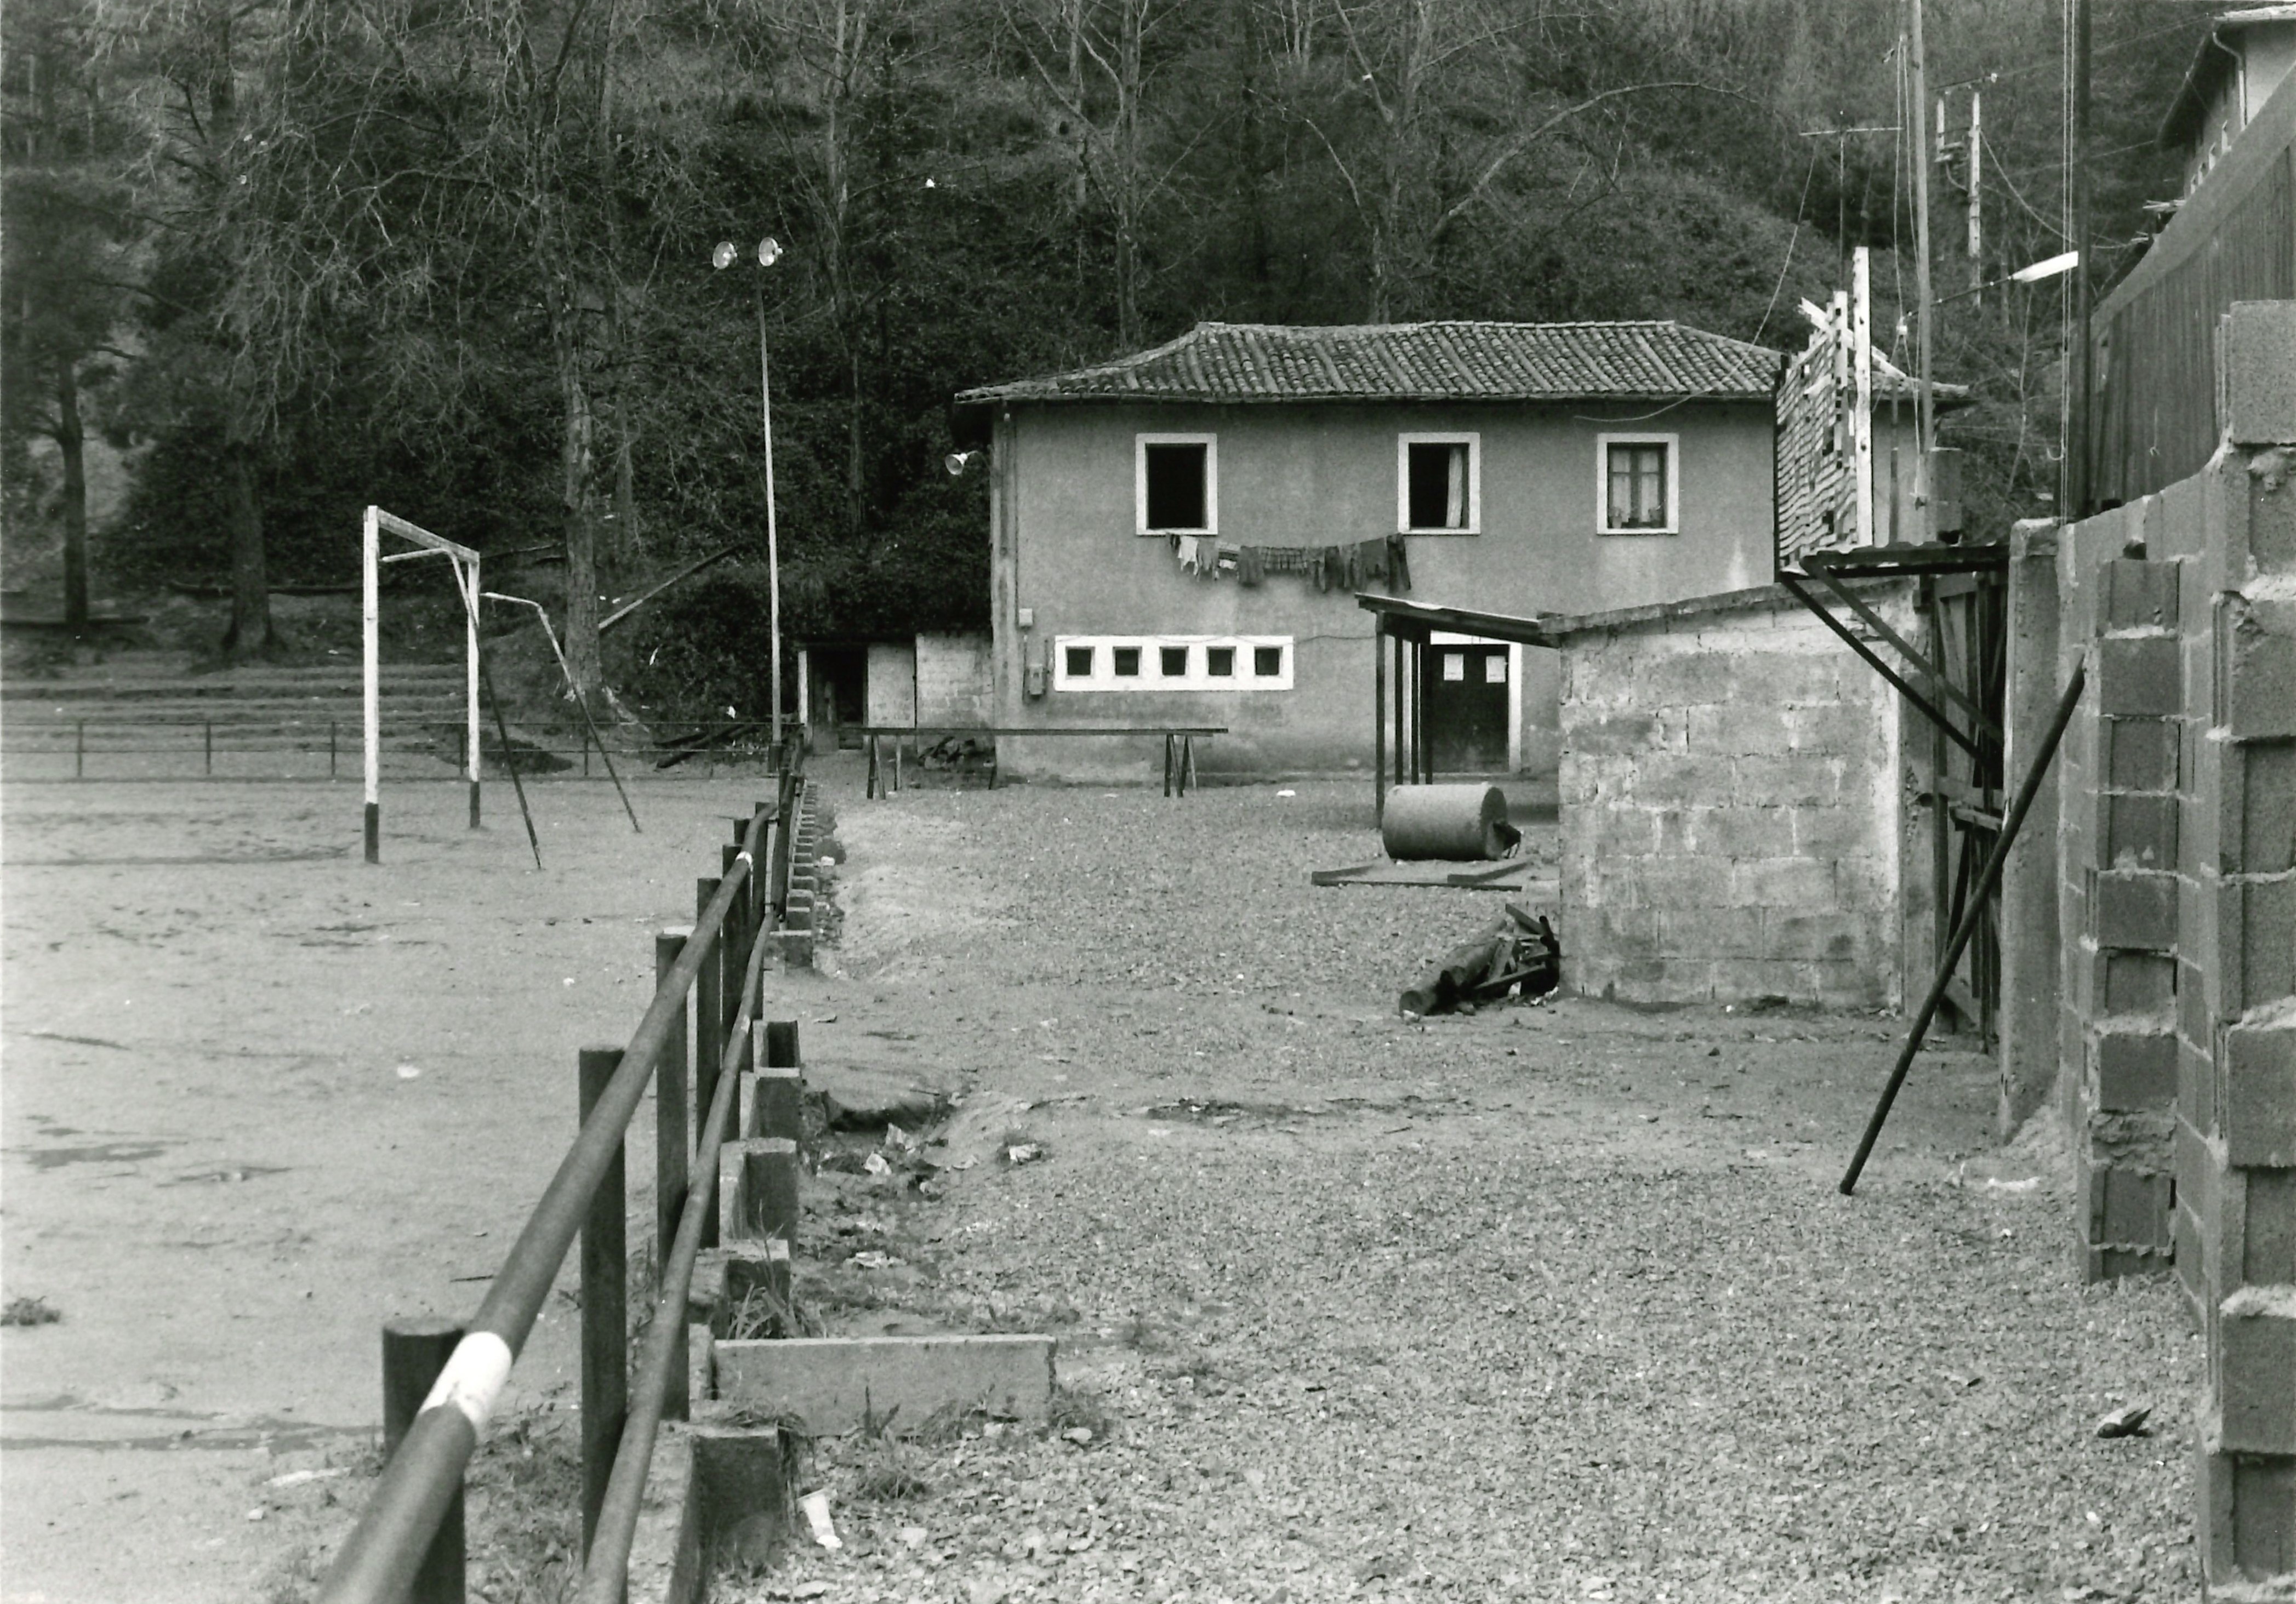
[1103,676]
[1602,444]
[1140,444]
[1474,442]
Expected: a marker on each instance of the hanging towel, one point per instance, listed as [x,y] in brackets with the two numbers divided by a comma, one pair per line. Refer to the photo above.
[1371,560]
[1185,546]
[1398,563]
[1248,565]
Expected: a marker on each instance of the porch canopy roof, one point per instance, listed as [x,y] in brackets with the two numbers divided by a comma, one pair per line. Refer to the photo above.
[1417,620]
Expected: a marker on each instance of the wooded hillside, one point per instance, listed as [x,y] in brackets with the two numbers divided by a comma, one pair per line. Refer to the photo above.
[454,256]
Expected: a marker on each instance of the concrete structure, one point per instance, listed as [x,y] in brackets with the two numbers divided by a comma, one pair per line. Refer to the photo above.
[924,679]
[2176,876]
[1732,813]
[1520,468]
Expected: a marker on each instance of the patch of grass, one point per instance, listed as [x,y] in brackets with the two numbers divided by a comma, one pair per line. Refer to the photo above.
[29,1312]
[889,1471]
[763,1313]
[951,1421]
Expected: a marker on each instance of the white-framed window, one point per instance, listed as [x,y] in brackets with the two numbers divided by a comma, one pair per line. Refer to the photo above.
[1176,483]
[1638,483]
[1439,484]
[1172,662]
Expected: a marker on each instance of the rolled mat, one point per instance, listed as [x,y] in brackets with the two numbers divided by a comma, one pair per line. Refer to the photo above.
[1455,822]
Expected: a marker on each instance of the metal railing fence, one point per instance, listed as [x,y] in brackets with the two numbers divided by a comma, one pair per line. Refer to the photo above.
[720,965]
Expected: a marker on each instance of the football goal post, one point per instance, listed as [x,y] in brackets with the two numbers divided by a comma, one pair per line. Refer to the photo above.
[465,562]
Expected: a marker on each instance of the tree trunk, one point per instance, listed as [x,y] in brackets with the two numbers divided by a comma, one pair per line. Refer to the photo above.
[250,634]
[582,659]
[69,445]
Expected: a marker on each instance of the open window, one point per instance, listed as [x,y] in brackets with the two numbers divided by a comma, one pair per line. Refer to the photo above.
[1638,489]
[1177,484]
[1439,484]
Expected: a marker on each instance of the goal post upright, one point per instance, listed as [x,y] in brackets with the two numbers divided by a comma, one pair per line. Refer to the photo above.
[465,564]
[371,688]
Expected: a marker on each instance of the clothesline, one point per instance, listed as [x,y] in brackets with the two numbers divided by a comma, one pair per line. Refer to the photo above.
[1351,568]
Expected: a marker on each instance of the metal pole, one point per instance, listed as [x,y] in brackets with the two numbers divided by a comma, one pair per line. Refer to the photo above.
[471,674]
[1970,916]
[605,1306]
[414,1352]
[1379,722]
[671,1138]
[773,531]
[371,683]
[1925,418]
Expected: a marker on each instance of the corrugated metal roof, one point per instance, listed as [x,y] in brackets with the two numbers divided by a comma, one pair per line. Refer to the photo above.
[1418,362]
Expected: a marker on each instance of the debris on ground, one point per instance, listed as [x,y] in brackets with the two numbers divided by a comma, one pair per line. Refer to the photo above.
[2128,1421]
[28,1311]
[1517,950]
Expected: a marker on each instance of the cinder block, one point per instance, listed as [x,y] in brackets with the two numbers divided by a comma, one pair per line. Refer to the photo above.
[2249,1507]
[1682,779]
[2258,350]
[2139,676]
[2260,670]
[2138,594]
[2269,1227]
[2256,1370]
[832,1383]
[1805,884]
[1673,883]
[1835,832]
[2196,1086]
[2137,830]
[2259,1117]
[2135,983]
[1711,932]
[2256,818]
[2134,909]
[1844,728]
[2266,944]
[2140,754]
[1827,937]
[2135,1071]
[1804,780]
[2116,1262]
[2126,1206]
[1754,831]
[1738,729]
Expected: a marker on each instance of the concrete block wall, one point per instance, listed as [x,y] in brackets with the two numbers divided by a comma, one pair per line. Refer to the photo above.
[1730,808]
[2178,904]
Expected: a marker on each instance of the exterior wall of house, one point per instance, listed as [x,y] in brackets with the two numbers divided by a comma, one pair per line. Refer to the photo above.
[1068,561]
[953,684]
[1731,826]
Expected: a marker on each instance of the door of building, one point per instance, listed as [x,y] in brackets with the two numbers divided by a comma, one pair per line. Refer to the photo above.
[1465,707]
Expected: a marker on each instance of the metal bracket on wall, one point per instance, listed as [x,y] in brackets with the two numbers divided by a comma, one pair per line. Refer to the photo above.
[1815,565]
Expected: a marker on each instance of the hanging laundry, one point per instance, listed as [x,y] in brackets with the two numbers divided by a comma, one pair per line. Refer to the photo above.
[1398,563]
[1248,565]
[1371,560]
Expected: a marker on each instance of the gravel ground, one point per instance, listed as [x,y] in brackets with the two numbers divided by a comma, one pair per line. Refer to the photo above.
[1554,1301]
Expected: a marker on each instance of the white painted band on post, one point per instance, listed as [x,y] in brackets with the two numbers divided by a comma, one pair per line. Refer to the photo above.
[473,1379]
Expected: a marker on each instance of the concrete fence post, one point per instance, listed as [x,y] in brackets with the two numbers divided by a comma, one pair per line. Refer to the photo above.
[2030,954]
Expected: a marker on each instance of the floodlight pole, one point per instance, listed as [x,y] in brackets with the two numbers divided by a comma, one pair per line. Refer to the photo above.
[773,533]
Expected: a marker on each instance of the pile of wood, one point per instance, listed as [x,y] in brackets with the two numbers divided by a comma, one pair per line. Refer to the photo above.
[1518,953]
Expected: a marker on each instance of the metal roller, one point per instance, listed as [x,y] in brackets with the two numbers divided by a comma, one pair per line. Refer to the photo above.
[1454,822]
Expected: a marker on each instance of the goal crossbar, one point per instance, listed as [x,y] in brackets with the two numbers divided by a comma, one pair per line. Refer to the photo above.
[378,524]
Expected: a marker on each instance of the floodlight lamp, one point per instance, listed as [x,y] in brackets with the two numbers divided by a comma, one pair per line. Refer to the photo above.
[2049,269]
[723,256]
[769,251]
[955,462]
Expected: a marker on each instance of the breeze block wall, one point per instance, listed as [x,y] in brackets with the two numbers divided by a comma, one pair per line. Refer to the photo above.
[1731,811]
[2178,908]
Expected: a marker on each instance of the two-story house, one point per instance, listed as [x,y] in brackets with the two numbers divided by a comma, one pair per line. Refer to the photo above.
[1179,536]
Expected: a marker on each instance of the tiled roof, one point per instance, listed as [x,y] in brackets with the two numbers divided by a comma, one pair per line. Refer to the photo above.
[1418,362]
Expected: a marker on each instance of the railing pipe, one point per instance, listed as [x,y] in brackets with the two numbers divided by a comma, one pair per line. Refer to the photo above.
[378,1560]
[606,1575]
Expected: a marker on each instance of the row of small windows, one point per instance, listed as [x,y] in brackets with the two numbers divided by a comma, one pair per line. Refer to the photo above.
[1171,662]
[1439,484]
